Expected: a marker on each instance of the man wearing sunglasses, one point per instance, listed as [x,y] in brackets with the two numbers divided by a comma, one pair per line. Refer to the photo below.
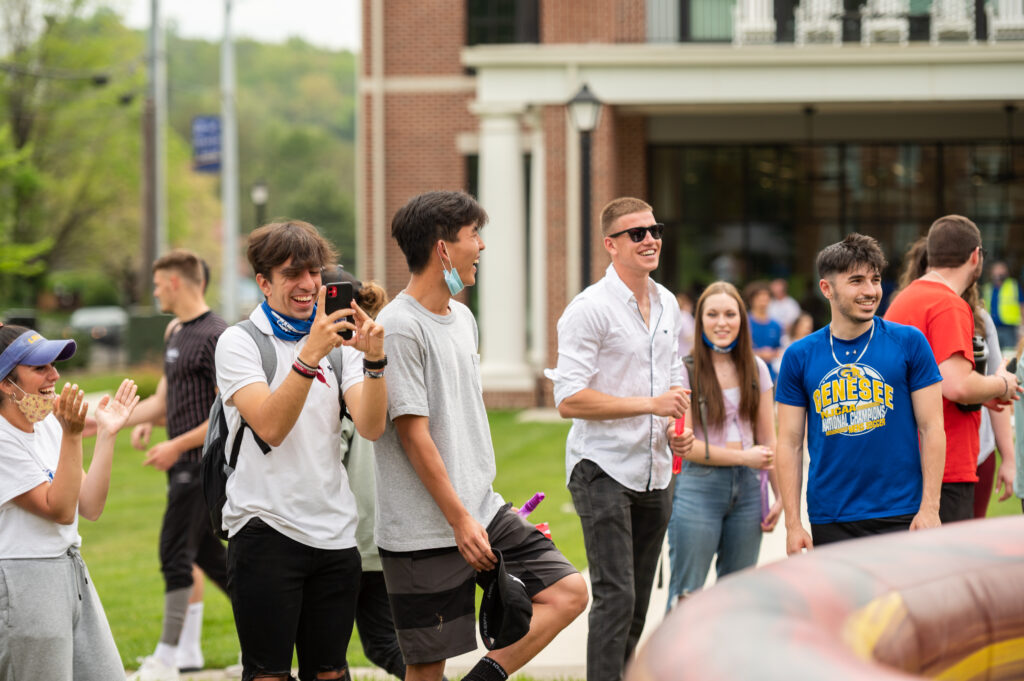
[619,379]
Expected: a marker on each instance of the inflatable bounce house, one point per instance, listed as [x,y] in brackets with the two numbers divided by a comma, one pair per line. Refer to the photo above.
[940,604]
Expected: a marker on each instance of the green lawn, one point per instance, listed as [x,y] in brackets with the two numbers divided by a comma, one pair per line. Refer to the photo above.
[121,549]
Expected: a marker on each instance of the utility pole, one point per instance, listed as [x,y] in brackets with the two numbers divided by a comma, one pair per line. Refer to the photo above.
[154,131]
[229,174]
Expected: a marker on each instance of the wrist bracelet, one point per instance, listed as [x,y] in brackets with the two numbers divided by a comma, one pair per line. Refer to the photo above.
[1006,385]
[305,366]
[301,370]
[373,373]
[375,364]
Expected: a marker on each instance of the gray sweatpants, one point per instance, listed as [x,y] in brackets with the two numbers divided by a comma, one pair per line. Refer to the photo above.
[52,624]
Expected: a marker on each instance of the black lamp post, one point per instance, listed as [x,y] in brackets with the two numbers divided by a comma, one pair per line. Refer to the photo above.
[584,110]
[259,193]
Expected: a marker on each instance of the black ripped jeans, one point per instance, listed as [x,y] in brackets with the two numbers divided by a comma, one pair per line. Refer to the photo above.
[285,594]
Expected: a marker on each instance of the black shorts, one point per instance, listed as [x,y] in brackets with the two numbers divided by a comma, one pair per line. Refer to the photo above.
[186,536]
[827,533]
[956,501]
[432,592]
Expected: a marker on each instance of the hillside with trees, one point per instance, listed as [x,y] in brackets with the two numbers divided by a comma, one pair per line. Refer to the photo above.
[72,90]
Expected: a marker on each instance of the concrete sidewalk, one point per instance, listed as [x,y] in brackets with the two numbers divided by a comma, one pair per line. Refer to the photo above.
[563,658]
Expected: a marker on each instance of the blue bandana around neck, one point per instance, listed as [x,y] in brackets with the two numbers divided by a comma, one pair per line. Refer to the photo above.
[288,328]
[722,351]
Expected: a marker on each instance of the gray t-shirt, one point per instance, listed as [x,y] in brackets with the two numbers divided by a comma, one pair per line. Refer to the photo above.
[433,371]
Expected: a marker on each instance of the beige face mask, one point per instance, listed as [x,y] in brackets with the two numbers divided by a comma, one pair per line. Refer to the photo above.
[34,407]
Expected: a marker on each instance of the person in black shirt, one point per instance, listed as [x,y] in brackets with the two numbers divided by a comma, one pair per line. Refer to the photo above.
[182,401]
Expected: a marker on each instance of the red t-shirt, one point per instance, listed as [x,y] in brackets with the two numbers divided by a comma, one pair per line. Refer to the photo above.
[948,323]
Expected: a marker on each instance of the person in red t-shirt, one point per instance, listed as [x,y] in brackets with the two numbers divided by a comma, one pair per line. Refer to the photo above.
[933,304]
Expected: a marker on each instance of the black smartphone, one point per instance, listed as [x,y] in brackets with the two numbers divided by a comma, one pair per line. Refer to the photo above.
[1011,366]
[339,297]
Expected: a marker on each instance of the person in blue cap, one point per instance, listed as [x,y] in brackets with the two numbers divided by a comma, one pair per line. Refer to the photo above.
[55,624]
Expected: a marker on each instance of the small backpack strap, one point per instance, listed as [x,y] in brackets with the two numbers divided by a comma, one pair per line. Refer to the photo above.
[702,408]
[268,358]
[334,357]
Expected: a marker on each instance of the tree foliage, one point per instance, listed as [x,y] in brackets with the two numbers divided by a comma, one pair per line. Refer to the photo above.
[72,86]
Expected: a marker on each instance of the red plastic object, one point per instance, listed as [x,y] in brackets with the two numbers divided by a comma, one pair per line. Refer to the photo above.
[677,461]
[544,529]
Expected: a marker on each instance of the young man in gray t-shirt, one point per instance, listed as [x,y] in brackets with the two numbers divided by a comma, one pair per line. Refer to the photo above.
[437,515]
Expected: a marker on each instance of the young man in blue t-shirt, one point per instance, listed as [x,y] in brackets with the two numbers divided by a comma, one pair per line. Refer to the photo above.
[870,393]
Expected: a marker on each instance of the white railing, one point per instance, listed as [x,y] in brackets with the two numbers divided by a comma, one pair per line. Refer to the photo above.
[1005,20]
[819,21]
[753,21]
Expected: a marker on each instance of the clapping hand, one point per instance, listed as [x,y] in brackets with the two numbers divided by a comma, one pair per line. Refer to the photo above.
[70,408]
[113,413]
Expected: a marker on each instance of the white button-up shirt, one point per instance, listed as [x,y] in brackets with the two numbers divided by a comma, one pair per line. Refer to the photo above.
[604,345]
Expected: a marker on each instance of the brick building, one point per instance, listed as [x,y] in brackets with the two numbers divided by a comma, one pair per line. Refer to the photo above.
[758,130]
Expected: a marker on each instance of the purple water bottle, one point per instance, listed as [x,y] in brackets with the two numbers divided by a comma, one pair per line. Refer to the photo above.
[531,504]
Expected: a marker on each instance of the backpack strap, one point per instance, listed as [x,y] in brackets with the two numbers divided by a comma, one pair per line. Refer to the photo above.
[268,358]
[334,357]
[702,406]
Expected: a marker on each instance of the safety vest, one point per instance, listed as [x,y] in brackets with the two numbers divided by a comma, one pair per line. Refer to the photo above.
[1008,302]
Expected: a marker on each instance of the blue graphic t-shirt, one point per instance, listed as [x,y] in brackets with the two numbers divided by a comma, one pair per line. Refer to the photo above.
[861,430]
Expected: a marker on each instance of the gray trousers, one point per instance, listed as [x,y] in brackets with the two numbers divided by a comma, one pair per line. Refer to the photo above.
[623,532]
[52,625]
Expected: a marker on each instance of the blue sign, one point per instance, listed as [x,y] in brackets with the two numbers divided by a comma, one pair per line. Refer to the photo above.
[206,144]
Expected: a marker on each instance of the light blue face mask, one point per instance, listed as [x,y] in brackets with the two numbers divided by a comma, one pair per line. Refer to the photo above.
[451,276]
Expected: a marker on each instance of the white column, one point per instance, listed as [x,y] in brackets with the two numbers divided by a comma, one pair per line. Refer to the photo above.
[502,309]
[538,350]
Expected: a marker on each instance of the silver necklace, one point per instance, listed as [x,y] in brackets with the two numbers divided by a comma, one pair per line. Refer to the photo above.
[946,281]
[832,346]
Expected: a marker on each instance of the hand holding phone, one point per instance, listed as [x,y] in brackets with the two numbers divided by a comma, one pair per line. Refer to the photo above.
[338,296]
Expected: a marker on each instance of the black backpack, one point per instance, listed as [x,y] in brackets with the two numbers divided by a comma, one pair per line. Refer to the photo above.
[215,467]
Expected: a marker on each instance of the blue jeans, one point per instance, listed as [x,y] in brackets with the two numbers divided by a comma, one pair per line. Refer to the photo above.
[716,509]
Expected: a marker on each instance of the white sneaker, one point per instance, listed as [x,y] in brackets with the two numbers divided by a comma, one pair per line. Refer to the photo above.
[189,660]
[152,669]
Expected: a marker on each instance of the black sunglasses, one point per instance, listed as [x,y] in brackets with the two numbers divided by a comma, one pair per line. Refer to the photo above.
[636,234]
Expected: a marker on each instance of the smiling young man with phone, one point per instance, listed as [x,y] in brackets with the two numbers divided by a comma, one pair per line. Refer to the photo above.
[439,520]
[293,565]
[619,378]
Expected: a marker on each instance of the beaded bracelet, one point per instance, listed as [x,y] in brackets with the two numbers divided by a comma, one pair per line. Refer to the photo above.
[305,366]
[300,368]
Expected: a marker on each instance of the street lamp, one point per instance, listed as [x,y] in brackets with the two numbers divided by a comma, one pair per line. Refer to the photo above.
[584,110]
[259,193]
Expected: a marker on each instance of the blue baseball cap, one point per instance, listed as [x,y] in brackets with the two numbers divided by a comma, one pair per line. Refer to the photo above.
[31,349]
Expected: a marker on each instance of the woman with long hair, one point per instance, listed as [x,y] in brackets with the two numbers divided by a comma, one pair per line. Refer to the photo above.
[54,625]
[719,494]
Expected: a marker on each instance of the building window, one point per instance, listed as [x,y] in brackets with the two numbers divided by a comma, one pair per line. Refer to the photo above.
[491,22]
[744,212]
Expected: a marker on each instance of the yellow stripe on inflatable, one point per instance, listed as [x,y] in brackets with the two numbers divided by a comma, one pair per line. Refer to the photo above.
[984,663]
[866,626]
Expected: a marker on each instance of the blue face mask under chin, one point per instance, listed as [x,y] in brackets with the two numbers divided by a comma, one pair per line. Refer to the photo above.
[451,276]
[724,351]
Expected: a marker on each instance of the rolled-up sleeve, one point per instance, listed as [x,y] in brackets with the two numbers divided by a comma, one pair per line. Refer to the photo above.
[580,331]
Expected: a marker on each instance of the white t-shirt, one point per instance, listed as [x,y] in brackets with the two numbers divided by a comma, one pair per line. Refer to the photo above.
[27,460]
[300,487]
